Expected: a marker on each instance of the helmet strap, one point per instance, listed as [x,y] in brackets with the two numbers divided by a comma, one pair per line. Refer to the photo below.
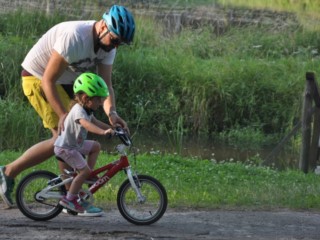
[89,111]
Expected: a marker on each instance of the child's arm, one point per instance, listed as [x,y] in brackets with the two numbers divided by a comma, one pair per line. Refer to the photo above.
[100,124]
[91,127]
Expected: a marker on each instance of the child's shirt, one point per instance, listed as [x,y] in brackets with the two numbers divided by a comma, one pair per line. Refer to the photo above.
[74,134]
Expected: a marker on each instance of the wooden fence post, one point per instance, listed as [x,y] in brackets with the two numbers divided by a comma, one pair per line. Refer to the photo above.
[315,140]
[310,124]
[306,126]
[316,121]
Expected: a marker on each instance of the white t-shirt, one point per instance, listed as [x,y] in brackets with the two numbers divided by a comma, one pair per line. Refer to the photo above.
[74,134]
[74,42]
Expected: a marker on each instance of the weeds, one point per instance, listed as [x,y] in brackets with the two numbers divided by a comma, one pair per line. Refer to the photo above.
[246,78]
[19,126]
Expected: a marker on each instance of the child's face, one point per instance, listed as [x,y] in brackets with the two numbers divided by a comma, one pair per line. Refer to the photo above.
[95,102]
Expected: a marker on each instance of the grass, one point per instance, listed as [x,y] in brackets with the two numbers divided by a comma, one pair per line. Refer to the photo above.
[198,183]
[228,87]
[245,84]
[19,119]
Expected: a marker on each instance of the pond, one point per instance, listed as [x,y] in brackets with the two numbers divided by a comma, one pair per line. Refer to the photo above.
[206,148]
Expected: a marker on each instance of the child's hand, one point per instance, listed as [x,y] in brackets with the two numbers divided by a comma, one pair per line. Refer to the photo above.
[109,132]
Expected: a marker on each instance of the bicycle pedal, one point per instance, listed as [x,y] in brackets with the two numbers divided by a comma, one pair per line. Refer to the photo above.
[70,212]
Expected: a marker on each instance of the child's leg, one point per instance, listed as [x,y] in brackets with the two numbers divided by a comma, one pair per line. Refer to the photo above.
[93,155]
[92,150]
[78,181]
[75,159]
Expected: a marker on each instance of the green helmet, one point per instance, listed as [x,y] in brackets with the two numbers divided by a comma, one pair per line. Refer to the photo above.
[91,84]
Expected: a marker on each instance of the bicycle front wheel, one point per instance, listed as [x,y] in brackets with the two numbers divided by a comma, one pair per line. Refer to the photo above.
[145,212]
[33,205]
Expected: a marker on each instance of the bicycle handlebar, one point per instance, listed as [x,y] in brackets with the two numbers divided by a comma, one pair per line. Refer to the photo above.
[123,135]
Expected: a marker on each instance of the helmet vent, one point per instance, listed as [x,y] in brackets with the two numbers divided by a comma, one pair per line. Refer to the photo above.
[121,19]
[91,90]
[114,23]
[121,30]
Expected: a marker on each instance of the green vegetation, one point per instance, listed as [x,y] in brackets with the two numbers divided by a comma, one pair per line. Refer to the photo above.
[206,184]
[198,82]
[306,7]
[307,11]
[18,120]
[243,85]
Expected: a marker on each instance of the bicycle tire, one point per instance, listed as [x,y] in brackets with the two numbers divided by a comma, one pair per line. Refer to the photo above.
[148,212]
[38,210]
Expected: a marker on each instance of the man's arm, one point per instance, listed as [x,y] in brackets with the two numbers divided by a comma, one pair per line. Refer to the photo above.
[56,66]
[105,72]
[109,104]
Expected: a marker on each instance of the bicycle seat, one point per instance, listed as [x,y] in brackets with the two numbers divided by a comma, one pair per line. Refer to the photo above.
[61,160]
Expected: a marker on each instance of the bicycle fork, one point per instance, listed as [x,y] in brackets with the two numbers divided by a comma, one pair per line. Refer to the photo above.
[135,184]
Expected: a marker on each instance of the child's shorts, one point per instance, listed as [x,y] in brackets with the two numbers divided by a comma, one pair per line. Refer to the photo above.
[74,157]
[32,89]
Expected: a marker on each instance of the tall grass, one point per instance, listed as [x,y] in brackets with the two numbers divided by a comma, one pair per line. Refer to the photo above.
[302,6]
[18,32]
[245,77]
[19,126]
[249,77]
[307,11]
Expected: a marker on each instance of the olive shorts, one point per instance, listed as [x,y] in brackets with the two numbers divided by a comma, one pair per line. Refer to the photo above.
[32,90]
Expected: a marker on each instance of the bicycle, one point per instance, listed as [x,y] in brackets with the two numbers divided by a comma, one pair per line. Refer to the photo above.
[141,199]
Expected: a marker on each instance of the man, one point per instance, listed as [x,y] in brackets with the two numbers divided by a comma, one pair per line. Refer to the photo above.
[49,69]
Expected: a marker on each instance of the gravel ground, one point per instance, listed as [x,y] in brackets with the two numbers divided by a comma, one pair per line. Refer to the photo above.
[184,224]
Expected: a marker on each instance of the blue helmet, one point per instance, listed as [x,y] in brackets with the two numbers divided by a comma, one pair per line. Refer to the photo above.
[121,22]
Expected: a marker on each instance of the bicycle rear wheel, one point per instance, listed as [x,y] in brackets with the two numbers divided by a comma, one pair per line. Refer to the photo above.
[35,207]
[142,212]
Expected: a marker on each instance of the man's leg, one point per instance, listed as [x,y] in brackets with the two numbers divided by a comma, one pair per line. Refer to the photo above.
[41,151]
[36,154]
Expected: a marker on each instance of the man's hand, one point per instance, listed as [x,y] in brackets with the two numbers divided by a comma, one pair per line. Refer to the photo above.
[116,120]
[61,123]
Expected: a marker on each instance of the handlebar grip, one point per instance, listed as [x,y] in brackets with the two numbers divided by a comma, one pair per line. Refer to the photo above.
[124,137]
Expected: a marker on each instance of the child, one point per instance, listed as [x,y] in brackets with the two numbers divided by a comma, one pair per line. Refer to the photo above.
[90,91]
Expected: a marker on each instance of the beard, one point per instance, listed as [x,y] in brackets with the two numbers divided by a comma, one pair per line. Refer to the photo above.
[105,48]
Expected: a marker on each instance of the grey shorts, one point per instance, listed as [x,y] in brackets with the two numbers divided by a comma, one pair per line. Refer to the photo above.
[74,157]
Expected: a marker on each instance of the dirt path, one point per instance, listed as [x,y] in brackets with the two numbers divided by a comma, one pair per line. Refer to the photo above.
[215,224]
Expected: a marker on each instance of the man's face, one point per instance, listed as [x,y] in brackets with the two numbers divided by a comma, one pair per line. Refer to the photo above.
[108,40]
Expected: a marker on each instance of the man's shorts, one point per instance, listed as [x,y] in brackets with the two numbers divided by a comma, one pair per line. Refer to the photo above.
[32,90]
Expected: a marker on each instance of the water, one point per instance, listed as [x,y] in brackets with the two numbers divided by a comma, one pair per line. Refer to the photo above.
[205,148]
